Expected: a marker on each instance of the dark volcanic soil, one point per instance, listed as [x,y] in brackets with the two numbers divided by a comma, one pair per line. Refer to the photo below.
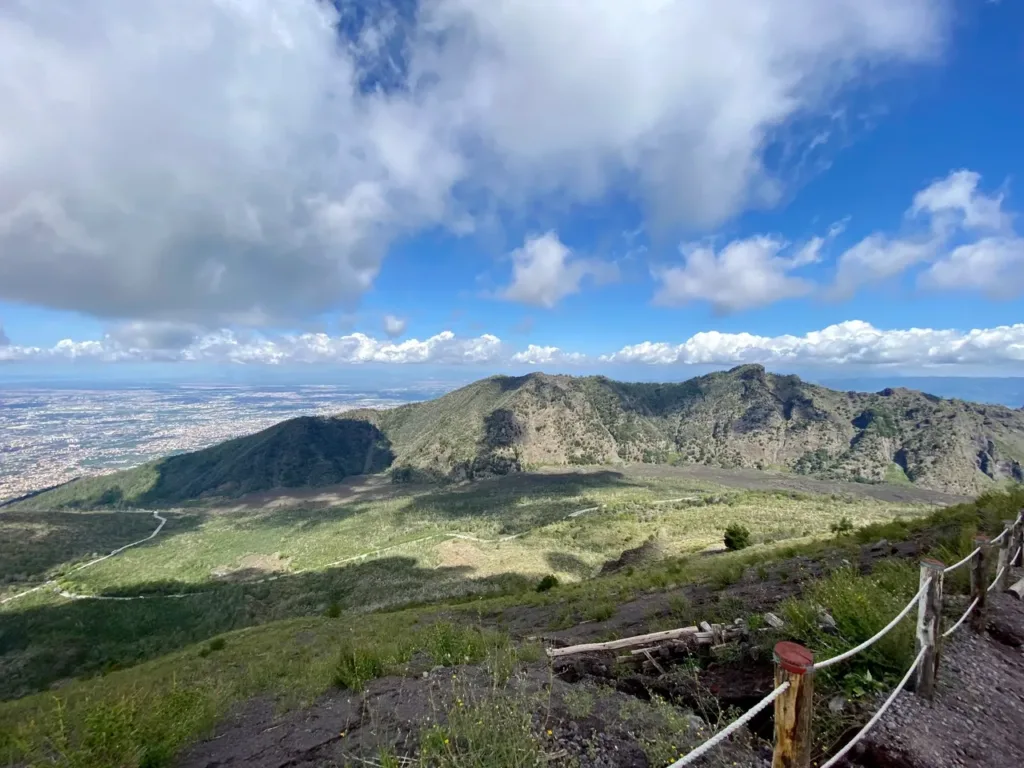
[589,712]
[977,717]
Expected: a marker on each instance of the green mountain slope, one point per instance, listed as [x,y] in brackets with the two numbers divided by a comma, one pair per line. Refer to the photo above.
[744,417]
[739,418]
[307,451]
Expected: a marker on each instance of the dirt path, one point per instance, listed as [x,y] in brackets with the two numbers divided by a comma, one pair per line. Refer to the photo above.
[162,522]
[977,717]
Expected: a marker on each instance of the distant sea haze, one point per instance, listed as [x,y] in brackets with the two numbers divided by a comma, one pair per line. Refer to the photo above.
[1000,391]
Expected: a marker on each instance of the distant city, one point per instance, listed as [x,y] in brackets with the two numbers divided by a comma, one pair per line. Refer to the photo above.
[52,432]
[49,435]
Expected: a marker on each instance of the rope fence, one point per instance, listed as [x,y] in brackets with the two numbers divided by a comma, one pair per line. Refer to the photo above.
[878,636]
[878,715]
[794,670]
[730,729]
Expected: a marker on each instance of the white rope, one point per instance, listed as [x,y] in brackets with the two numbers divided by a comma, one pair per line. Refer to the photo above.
[996,579]
[877,716]
[962,562]
[878,636]
[1016,554]
[962,619]
[999,538]
[726,732]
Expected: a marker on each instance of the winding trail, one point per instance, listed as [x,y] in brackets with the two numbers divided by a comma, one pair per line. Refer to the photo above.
[372,553]
[119,550]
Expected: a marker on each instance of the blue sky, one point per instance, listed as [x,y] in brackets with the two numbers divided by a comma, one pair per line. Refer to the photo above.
[833,188]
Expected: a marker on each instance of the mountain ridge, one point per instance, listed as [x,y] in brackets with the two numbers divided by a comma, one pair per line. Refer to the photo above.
[743,417]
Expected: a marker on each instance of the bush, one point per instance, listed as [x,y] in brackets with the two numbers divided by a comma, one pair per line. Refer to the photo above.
[843,526]
[333,610]
[356,667]
[737,537]
[548,582]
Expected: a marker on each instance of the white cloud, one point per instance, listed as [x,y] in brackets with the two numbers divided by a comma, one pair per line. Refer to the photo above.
[851,343]
[233,161]
[745,274]
[948,207]
[535,355]
[394,326]
[877,258]
[226,346]
[544,272]
[992,265]
[4,341]
[958,194]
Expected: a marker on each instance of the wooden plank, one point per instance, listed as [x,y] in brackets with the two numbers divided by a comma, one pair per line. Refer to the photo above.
[625,642]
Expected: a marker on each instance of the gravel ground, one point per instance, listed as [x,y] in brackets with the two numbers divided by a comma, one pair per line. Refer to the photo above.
[977,718]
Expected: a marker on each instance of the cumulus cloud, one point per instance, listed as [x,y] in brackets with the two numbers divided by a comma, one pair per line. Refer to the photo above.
[535,355]
[946,208]
[957,195]
[851,343]
[992,265]
[394,326]
[154,334]
[236,162]
[4,341]
[744,274]
[226,346]
[544,272]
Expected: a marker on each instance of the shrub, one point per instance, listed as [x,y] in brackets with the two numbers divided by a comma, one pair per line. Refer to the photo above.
[548,582]
[356,667]
[333,610]
[843,526]
[737,537]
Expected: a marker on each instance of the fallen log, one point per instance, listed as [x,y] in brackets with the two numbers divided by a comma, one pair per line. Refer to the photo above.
[626,642]
[1017,589]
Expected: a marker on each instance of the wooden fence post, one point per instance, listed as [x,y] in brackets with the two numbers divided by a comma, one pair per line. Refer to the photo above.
[1003,565]
[929,637]
[793,664]
[1018,527]
[979,581]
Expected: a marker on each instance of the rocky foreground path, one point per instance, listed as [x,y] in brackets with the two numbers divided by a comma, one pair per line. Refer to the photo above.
[977,716]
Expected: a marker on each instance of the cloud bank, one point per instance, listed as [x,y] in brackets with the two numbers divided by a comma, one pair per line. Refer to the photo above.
[854,343]
[244,162]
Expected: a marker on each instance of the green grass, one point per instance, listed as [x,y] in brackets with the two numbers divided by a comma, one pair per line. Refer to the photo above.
[296,659]
[114,719]
[214,553]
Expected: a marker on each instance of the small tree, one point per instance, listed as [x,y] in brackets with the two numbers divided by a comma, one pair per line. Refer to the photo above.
[737,537]
[843,526]
[548,582]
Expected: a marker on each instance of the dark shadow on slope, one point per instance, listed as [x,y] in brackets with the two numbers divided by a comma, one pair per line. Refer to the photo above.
[42,645]
[33,544]
[502,499]
[506,499]
[305,452]
[564,562]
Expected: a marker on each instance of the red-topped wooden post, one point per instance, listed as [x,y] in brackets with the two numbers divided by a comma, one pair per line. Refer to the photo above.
[794,664]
